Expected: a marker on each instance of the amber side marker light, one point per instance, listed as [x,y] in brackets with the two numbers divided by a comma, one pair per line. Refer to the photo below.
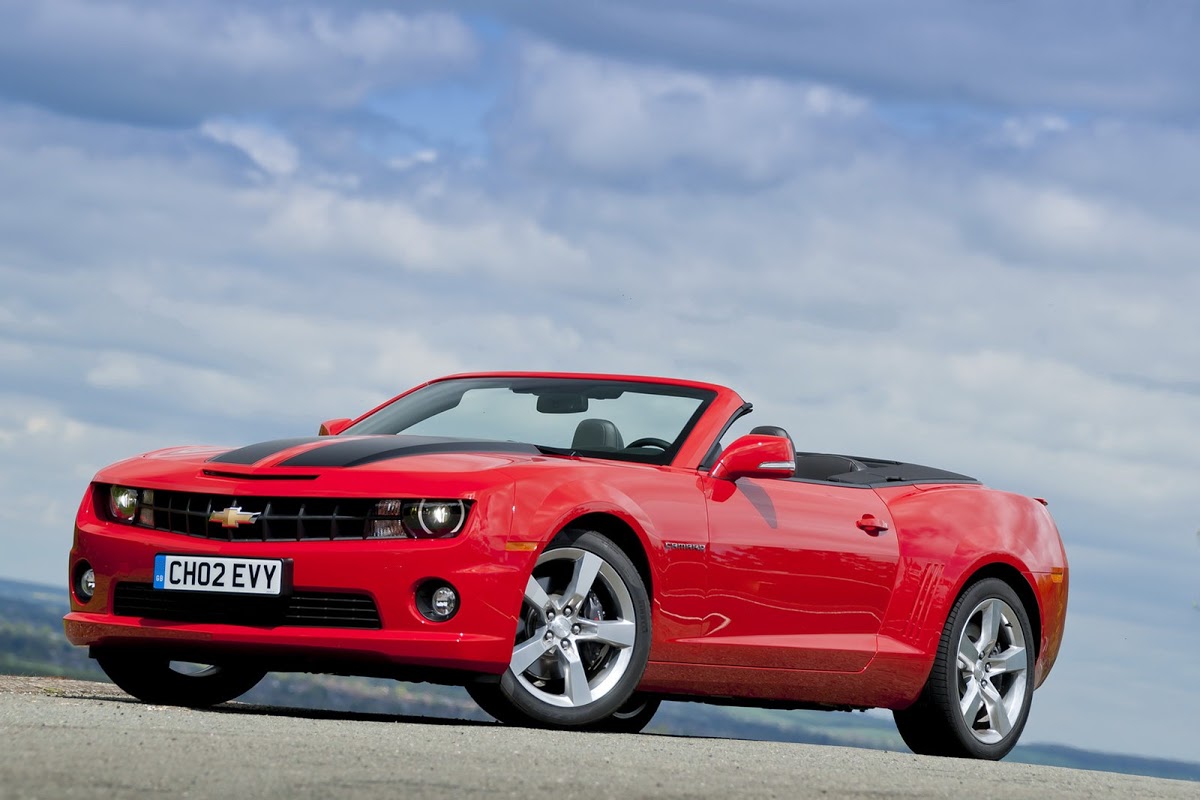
[1056,574]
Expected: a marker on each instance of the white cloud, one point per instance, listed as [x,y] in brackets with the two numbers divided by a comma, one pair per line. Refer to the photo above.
[1115,56]
[177,63]
[317,223]
[615,120]
[1067,227]
[270,151]
[418,158]
[1026,131]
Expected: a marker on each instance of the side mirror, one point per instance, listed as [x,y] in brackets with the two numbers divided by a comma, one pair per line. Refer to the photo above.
[756,456]
[332,427]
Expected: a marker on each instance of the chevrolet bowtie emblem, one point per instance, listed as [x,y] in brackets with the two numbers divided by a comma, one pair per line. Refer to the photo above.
[233,516]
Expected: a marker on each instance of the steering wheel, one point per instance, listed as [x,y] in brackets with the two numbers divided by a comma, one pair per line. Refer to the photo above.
[650,441]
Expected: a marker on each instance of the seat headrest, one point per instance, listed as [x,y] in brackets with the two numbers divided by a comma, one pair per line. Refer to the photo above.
[773,430]
[770,430]
[597,434]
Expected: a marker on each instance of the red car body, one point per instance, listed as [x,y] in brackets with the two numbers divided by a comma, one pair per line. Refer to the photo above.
[763,589]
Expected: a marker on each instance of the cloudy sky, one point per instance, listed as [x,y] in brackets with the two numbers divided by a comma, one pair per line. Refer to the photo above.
[954,233]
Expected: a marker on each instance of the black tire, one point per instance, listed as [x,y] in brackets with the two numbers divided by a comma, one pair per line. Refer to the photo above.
[490,698]
[152,679]
[616,597]
[631,717]
[999,681]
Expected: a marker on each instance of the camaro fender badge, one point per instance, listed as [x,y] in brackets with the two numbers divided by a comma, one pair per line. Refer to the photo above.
[685,546]
[234,516]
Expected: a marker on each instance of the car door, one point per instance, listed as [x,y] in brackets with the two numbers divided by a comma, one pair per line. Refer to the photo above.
[795,580]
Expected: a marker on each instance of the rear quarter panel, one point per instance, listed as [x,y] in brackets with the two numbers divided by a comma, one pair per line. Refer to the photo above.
[949,535]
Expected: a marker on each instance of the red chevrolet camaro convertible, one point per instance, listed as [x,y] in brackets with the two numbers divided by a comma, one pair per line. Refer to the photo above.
[573,549]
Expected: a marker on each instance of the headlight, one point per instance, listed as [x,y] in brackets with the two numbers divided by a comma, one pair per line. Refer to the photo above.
[129,505]
[417,519]
[122,503]
[440,518]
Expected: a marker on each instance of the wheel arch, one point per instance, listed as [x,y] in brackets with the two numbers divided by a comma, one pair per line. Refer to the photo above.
[1018,583]
[620,533]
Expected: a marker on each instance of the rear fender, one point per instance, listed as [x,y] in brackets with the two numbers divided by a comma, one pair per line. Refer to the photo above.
[947,535]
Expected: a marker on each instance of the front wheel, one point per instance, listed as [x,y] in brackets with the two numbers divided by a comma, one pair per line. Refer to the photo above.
[583,637]
[160,681]
[629,718]
[632,717]
[978,695]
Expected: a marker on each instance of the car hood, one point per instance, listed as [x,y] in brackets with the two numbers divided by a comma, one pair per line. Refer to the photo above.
[327,452]
[348,466]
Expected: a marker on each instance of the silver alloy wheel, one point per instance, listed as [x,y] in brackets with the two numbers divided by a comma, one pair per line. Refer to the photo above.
[993,666]
[576,641]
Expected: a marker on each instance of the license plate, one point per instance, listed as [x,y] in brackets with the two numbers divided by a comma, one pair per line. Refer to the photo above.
[219,574]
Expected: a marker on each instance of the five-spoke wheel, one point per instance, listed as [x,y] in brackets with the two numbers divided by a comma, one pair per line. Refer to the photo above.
[977,698]
[582,639]
[993,665]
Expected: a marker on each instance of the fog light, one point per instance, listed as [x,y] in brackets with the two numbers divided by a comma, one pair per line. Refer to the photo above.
[437,601]
[85,582]
[445,601]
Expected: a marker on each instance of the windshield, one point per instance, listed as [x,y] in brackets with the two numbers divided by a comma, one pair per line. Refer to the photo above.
[623,420]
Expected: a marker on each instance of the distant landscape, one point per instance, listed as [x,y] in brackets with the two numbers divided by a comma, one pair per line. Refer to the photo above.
[32,643]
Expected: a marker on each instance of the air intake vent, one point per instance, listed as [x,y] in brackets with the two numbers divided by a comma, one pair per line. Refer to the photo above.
[300,609]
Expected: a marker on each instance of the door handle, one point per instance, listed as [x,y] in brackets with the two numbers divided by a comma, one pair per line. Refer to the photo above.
[872,525]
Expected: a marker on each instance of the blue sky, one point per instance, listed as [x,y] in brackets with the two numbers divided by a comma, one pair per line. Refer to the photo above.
[955,233]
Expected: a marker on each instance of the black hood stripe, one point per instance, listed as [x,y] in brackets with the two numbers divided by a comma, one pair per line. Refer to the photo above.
[356,452]
[255,453]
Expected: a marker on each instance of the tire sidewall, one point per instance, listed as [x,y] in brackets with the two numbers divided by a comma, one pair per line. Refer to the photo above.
[634,716]
[541,712]
[989,588]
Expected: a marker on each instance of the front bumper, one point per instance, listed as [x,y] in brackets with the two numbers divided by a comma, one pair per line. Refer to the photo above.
[489,579]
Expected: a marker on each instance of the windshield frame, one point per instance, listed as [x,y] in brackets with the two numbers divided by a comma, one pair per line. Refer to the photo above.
[428,400]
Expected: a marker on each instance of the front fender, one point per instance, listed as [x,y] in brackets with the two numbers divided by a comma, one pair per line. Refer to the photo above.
[663,507]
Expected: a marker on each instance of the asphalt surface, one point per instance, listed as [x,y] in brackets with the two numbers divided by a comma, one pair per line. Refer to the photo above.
[63,739]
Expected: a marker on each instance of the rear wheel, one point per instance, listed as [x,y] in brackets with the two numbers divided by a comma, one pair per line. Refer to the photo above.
[160,681]
[582,639]
[976,701]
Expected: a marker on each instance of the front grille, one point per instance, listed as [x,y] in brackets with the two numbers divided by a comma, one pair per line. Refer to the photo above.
[277,518]
[300,609]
